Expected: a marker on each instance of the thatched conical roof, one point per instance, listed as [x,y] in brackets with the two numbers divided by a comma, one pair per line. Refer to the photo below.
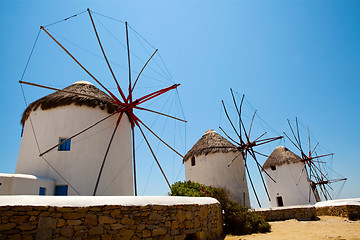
[59,98]
[210,142]
[280,156]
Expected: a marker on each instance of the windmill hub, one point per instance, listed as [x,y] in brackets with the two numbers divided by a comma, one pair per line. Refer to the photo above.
[246,146]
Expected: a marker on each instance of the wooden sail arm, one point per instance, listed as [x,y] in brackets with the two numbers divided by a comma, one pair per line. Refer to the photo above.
[92,76]
[252,120]
[325,155]
[77,134]
[238,111]
[241,124]
[155,94]
[292,142]
[106,154]
[330,181]
[262,178]
[227,115]
[229,164]
[152,152]
[311,164]
[163,114]
[252,153]
[67,91]
[128,54]
[292,131]
[266,140]
[314,149]
[251,183]
[229,136]
[298,133]
[260,136]
[138,120]
[137,78]
[107,62]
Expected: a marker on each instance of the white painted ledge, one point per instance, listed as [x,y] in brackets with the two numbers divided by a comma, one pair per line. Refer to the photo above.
[84,201]
[24,176]
[330,203]
[339,202]
[284,208]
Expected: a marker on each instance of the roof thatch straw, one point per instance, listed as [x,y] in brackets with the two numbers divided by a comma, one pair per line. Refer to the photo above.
[59,98]
[210,142]
[280,156]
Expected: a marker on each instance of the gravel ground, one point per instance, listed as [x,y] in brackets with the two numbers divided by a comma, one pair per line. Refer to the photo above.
[325,229]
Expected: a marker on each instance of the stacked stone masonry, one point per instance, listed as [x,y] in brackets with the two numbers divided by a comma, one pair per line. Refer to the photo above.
[111,222]
[351,212]
[279,214]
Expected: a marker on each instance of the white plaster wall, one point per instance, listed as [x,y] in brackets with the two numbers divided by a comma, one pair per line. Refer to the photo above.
[20,184]
[5,187]
[85,201]
[79,166]
[213,170]
[291,184]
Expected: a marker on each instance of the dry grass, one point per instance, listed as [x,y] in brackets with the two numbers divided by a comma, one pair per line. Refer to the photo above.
[325,229]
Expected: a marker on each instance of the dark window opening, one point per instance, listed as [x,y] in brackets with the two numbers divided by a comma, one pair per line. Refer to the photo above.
[280,202]
[193,161]
[65,146]
[273,168]
[22,131]
[61,190]
[42,191]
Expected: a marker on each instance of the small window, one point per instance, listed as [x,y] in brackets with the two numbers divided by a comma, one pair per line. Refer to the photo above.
[22,131]
[273,168]
[280,202]
[42,191]
[193,161]
[64,146]
[61,190]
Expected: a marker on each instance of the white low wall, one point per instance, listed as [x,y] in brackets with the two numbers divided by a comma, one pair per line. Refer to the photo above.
[86,201]
[349,208]
[339,202]
[20,184]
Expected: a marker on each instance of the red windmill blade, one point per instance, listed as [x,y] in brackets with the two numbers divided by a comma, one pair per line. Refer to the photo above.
[313,167]
[126,105]
[246,146]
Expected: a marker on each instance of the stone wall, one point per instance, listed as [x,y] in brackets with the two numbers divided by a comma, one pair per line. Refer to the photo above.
[351,212]
[310,212]
[306,212]
[194,221]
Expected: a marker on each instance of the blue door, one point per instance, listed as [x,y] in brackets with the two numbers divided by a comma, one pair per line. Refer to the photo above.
[42,191]
[61,190]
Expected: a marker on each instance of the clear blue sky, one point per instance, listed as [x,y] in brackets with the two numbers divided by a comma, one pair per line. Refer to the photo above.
[291,59]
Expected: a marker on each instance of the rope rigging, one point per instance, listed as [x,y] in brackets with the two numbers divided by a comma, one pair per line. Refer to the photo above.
[126,104]
[241,139]
[316,170]
[38,147]
[135,55]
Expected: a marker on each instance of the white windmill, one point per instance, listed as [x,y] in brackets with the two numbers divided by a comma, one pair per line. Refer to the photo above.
[300,179]
[207,163]
[80,139]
